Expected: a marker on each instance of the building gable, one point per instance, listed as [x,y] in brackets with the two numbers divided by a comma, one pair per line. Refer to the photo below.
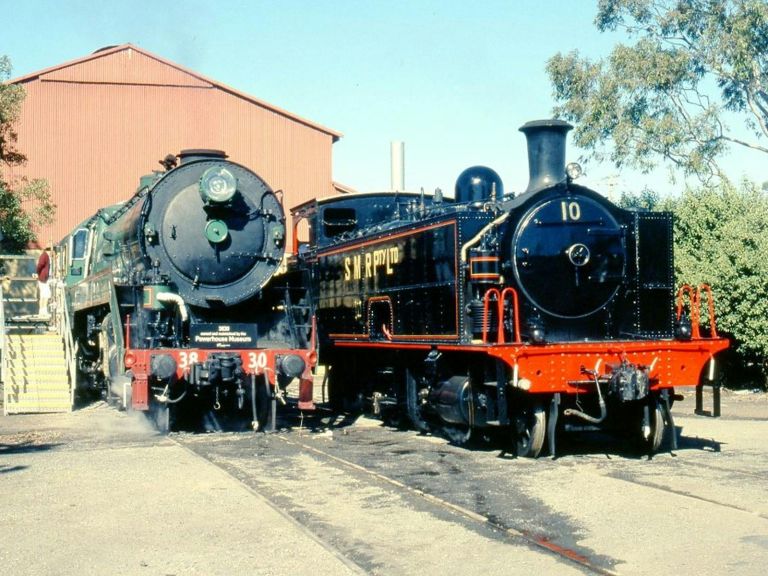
[127,64]
[124,66]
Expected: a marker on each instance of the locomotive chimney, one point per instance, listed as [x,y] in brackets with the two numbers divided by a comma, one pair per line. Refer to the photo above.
[546,152]
[192,154]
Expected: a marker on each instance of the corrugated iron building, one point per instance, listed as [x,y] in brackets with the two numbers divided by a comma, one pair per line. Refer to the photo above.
[93,126]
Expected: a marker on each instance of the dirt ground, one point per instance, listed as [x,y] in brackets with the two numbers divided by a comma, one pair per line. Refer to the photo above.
[99,492]
[734,403]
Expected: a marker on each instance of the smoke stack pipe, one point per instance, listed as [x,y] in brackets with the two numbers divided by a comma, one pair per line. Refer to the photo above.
[397,157]
[546,152]
[192,154]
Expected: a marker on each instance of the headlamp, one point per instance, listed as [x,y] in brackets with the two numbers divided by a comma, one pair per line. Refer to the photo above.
[574,171]
[217,185]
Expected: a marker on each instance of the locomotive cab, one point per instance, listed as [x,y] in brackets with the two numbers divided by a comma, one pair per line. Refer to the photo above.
[76,253]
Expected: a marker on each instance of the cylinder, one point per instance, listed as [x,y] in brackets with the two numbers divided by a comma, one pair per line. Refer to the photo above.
[451,400]
[477,318]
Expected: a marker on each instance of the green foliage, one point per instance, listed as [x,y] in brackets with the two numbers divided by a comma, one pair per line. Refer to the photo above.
[647,199]
[665,95]
[23,204]
[721,239]
[27,205]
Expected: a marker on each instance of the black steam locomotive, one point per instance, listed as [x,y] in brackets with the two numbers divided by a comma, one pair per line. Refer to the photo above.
[177,301]
[525,315]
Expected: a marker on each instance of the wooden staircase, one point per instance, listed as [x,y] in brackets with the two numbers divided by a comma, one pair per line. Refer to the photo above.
[35,374]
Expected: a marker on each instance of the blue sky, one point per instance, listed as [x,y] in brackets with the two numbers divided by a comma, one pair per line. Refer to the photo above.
[454,80]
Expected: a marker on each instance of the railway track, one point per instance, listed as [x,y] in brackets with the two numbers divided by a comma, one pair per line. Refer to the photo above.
[667,490]
[349,483]
[577,557]
[417,472]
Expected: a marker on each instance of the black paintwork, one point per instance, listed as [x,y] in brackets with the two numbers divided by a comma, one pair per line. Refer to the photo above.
[574,258]
[166,229]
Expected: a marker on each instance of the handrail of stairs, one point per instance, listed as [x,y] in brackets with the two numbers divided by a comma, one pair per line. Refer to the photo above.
[64,326]
[3,348]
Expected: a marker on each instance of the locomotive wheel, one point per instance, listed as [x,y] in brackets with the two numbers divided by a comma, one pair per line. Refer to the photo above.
[529,428]
[263,404]
[109,347]
[654,441]
[412,403]
[336,387]
[657,428]
[108,344]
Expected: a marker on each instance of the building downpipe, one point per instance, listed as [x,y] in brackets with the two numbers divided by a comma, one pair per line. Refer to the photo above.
[397,159]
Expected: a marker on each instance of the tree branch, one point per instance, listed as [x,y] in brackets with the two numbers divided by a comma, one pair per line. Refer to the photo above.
[760,117]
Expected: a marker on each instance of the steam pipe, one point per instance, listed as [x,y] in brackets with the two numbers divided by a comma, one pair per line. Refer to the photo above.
[165,398]
[601,400]
[171,298]
[479,236]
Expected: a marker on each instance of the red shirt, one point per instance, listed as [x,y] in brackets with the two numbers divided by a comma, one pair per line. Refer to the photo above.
[43,267]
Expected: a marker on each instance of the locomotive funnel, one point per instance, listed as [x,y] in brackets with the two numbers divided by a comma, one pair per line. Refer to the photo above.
[546,152]
[201,154]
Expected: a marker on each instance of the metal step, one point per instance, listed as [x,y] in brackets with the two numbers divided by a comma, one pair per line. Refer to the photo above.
[36,378]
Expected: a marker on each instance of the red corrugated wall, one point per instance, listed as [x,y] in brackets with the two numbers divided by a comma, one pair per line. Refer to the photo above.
[93,127]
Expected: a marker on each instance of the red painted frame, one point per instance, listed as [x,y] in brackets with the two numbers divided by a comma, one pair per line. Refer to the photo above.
[258,361]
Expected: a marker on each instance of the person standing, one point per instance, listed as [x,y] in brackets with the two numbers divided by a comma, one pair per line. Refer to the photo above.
[43,272]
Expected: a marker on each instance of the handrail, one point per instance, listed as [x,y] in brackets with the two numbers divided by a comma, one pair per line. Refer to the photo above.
[3,350]
[684,289]
[486,304]
[694,299]
[515,307]
[501,298]
[693,303]
[65,329]
[710,307]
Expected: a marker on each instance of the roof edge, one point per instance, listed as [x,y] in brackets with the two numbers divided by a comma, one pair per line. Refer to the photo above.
[128,46]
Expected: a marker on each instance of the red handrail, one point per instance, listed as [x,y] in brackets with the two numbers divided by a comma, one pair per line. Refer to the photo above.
[710,307]
[486,304]
[501,298]
[694,298]
[509,290]
[694,306]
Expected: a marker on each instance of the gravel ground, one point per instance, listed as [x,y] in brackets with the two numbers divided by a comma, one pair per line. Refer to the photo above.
[99,492]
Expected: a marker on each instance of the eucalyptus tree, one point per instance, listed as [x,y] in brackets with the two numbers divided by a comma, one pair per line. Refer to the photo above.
[669,92]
